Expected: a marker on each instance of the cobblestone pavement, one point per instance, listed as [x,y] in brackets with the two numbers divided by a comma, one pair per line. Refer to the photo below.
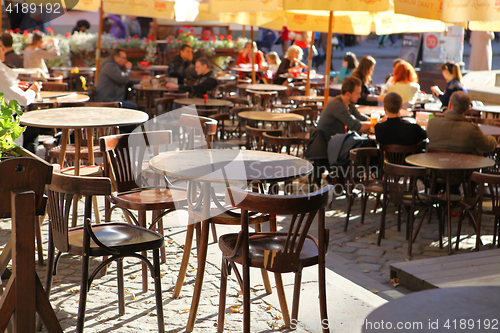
[353,254]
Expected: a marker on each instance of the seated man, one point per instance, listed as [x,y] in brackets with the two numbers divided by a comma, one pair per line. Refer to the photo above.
[341,111]
[177,68]
[12,59]
[455,133]
[396,131]
[205,83]
[113,80]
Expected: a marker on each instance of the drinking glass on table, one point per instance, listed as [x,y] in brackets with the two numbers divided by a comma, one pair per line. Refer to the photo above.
[374,119]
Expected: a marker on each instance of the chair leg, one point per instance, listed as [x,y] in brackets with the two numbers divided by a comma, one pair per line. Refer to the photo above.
[282,298]
[478,230]
[38,234]
[399,218]
[84,287]
[459,227]
[411,218]
[48,274]
[225,269]
[296,295]
[157,282]
[364,199]
[263,271]
[142,223]
[96,210]
[495,227]
[350,199]
[185,259]
[121,287]
[214,232]
[382,223]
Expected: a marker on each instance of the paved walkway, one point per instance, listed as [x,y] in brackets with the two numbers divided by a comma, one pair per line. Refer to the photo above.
[357,277]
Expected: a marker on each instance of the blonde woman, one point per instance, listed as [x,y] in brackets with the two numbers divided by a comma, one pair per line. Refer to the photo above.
[292,62]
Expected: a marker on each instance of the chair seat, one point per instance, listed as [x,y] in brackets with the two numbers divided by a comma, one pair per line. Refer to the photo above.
[228,218]
[487,205]
[150,199]
[126,238]
[372,185]
[85,170]
[259,243]
[70,151]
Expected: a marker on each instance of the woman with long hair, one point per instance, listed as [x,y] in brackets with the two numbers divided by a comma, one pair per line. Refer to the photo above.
[405,82]
[35,53]
[349,63]
[364,72]
[453,76]
[292,62]
[245,57]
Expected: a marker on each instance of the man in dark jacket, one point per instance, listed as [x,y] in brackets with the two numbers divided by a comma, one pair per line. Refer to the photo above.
[181,62]
[12,59]
[114,76]
[396,131]
[205,83]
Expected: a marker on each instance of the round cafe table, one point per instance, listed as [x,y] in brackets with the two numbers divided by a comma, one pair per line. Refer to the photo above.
[227,77]
[494,109]
[490,130]
[266,87]
[307,98]
[221,166]
[78,119]
[457,309]
[270,116]
[150,91]
[448,162]
[368,110]
[157,68]
[48,97]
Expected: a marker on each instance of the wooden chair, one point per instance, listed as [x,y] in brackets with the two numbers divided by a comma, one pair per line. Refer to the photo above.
[396,154]
[234,126]
[54,86]
[494,169]
[481,205]
[224,139]
[255,135]
[22,187]
[265,99]
[278,144]
[400,188]
[362,178]
[303,129]
[116,240]
[278,252]
[126,159]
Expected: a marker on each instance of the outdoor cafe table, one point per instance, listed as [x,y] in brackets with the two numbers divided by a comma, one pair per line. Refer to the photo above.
[61,97]
[266,87]
[494,109]
[150,90]
[448,162]
[227,77]
[222,166]
[157,68]
[271,117]
[314,99]
[368,110]
[489,129]
[458,309]
[79,118]
[200,102]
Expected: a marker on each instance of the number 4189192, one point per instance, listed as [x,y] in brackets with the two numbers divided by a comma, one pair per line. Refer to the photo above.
[26,8]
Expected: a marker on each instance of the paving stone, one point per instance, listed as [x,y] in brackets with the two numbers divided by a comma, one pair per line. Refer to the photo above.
[357,244]
[348,256]
[371,267]
[370,252]
[400,255]
[343,249]
[370,260]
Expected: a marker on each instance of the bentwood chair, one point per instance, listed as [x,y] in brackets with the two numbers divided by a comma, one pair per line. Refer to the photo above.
[116,240]
[126,159]
[400,188]
[364,176]
[277,252]
[482,205]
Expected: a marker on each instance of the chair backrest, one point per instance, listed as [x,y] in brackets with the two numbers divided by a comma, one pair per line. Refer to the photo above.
[396,154]
[494,169]
[126,156]
[54,86]
[254,136]
[276,144]
[302,208]
[399,180]
[194,125]
[492,182]
[238,101]
[163,104]
[61,192]
[363,166]
[23,173]
[176,95]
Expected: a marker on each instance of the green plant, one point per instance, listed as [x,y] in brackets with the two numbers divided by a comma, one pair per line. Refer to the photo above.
[10,128]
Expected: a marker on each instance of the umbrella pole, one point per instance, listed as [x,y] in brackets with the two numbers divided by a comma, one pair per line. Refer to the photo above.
[253,55]
[309,65]
[328,59]
[98,47]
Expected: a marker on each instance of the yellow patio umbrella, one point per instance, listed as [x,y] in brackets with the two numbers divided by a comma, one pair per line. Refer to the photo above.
[451,11]
[235,6]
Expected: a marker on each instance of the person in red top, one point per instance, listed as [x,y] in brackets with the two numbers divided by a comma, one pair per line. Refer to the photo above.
[245,57]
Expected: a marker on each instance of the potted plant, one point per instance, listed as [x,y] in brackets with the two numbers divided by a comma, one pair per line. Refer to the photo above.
[10,128]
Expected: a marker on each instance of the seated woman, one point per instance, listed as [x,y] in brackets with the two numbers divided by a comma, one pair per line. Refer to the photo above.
[349,63]
[274,62]
[453,76]
[292,62]
[35,53]
[245,57]
[364,72]
[404,83]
